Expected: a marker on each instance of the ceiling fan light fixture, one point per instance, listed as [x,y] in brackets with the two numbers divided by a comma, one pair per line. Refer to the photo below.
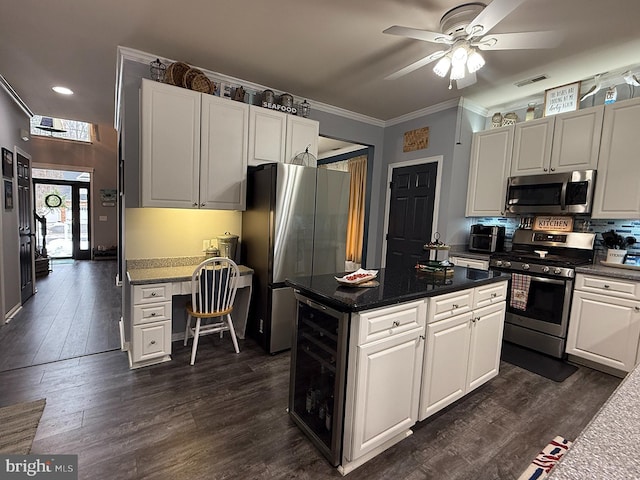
[475,62]
[459,56]
[457,71]
[442,67]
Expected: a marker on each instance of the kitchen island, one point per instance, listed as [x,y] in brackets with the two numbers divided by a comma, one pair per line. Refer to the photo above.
[369,362]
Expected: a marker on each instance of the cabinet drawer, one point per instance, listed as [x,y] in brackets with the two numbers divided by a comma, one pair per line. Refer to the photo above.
[470,263]
[389,321]
[450,304]
[151,293]
[151,340]
[616,287]
[490,294]
[151,312]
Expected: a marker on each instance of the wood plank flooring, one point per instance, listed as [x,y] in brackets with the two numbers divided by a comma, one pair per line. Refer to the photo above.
[225,417]
[74,312]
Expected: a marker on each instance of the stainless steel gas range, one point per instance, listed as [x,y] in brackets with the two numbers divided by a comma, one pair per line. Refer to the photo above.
[542,264]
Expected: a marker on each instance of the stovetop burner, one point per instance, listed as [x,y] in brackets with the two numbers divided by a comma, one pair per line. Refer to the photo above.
[549,259]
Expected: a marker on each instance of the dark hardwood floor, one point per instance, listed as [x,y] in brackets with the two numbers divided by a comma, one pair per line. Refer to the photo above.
[225,418]
[75,312]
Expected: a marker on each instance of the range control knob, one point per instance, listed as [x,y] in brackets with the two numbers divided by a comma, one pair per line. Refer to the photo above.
[545,269]
[498,263]
[525,266]
[507,264]
[557,271]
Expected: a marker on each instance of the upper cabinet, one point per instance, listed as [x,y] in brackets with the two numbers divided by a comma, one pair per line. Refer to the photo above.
[617,194]
[532,147]
[576,140]
[278,137]
[561,143]
[489,169]
[194,149]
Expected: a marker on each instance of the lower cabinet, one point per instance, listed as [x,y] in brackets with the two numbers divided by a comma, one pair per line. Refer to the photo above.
[462,353]
[151,341]
[383,390]
[604,329]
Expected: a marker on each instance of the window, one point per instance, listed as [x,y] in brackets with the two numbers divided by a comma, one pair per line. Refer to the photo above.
[74,129]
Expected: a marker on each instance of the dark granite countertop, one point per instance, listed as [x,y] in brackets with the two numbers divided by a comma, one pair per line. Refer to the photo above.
[395,286]
[612,272]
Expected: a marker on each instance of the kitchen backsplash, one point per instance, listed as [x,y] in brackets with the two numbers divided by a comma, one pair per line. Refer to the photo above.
[626,228]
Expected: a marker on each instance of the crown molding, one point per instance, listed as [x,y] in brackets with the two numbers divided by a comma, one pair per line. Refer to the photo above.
[439,107]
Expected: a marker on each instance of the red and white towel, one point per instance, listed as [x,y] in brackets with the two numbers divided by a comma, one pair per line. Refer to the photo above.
[546,459]
[519,290]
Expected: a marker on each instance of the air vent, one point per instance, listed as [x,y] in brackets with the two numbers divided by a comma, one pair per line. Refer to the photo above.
[529,81]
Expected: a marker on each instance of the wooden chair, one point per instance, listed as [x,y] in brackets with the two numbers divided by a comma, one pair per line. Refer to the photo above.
[213,289]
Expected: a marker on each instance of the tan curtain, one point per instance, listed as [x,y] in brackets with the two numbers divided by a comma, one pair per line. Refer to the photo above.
[355,227]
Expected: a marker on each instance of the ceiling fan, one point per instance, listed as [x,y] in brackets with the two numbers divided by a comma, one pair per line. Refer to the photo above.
[463,31]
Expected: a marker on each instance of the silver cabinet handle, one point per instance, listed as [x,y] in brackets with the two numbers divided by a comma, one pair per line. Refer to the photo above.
[637,309]
[494,295]
[545,169]
[152,342]
[606,286]
[202,204]
[195,204]
[455,305]
[396,323]
[153,294]
[153,314]
[553,169]
[423,337]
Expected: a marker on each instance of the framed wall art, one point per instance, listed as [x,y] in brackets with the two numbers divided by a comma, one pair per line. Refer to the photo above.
[561,99]
[8,195]
[7,163]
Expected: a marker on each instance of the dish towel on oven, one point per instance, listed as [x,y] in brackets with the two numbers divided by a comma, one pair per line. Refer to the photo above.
[519,290]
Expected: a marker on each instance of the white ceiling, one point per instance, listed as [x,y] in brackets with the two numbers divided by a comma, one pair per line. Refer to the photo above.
[329,51]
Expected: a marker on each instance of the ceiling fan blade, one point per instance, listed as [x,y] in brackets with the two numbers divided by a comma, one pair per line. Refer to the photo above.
[466,81]
[416,65]
[522,40]
[491,15]
[424,35]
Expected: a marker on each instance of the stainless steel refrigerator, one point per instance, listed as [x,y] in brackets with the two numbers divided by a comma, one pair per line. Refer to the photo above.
[295,224]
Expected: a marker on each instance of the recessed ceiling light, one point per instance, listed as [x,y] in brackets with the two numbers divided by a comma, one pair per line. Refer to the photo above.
[62,90]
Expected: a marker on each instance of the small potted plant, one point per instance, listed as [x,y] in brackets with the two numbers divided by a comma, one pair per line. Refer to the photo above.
[617,246]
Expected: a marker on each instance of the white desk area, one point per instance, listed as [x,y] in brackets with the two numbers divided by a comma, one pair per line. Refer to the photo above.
[150,288]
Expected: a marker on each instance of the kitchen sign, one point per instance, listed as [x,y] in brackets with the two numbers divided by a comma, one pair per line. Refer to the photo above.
[555,224]
[561,99]
[416,139]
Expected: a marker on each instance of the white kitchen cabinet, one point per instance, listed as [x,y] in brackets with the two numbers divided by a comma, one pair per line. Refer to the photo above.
[489,169]
[532,147]
[383,389]
[194,149]
[469,262]
[150,324]
[617,194]
[605,322]
[463,350]
[576,140]
[278,137]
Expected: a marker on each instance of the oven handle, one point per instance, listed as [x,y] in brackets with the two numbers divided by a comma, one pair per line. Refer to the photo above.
[548,280]
[563,196]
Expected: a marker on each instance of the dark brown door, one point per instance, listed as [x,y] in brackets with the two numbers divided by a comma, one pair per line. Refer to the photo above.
[24,227]
[410,213]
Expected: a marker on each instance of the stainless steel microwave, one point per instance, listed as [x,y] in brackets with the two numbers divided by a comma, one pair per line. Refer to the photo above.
[554,193]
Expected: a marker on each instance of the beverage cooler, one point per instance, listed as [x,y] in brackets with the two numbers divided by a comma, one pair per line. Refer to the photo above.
[317,382]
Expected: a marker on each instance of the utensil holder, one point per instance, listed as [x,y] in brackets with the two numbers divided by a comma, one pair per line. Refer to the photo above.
[616,256]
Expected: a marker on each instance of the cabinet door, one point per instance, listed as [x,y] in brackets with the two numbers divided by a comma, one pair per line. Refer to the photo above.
[151,341]
[387,390]
[301,133]
[170,146]
[223,159]
[604,329]
[489,169]
[576,140]
[617,194]
[486,344]
[532,147]
[445,363]
[267,134]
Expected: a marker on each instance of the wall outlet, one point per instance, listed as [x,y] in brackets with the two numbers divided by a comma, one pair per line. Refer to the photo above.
[102,218]
[205,245]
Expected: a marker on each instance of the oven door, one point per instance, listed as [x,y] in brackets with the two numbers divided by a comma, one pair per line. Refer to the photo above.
[547,306]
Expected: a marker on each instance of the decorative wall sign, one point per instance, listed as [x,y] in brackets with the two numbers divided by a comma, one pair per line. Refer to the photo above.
[556,224]
[108,197]
[561,99]
[417,139]
[7,163]
[8,195]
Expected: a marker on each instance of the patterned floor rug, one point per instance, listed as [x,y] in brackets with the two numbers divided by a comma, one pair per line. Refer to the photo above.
[546,459]
[18,424]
